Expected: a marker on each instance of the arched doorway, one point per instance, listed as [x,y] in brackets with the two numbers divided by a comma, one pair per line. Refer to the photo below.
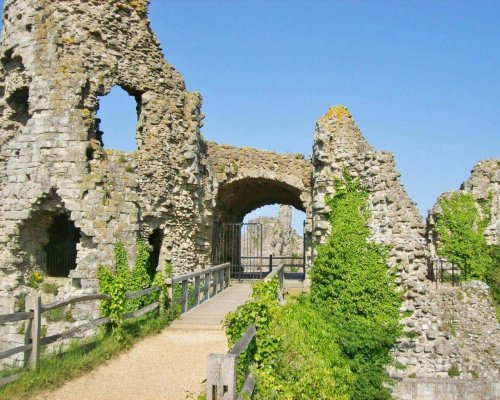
[241,243]
[155,241]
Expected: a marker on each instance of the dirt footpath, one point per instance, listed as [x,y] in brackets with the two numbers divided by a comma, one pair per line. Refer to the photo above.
[168,366]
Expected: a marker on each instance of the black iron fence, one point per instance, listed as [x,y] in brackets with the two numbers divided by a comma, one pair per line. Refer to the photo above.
[60,258]
[448,272]
[241,245]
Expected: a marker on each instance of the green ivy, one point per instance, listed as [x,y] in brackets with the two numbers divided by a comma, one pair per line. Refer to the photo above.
[493,276]
[460,229]
[125,280]
[352,281]
[262,353]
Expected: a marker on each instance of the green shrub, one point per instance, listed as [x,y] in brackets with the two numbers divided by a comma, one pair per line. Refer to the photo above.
[34,279]
[493,276]
[310,364]
[352,281]
[460,229]
[125,280]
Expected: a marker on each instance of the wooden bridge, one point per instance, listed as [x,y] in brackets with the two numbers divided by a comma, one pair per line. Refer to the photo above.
[170,365]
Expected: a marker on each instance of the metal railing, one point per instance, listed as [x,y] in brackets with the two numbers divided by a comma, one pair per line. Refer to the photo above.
[446,272]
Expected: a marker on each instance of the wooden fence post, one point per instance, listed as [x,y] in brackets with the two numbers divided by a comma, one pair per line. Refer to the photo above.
[215,275]
[228,275]
[170,294]
[196,290]
[185,296]
[206,287]
[32,333]
[221,377]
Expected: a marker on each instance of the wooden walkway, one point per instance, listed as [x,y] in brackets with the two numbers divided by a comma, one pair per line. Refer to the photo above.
[208,315]
[167,366]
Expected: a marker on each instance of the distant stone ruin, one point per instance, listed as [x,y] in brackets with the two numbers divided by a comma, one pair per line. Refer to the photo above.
[57,58]
[279,238]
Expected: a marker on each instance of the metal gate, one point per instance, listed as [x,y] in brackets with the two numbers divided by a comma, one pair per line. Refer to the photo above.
[241,245]
[60,258]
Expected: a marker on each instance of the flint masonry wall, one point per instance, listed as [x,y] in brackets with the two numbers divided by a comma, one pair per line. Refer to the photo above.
[395,221]
[56,58]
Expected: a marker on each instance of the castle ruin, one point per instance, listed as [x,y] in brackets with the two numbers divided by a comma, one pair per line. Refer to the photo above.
[57,58]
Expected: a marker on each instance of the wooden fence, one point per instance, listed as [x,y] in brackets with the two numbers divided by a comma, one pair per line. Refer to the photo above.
[221,368]
[216,279]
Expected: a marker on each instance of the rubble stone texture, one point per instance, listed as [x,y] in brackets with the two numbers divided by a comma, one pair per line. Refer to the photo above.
[58,57]
[279,238]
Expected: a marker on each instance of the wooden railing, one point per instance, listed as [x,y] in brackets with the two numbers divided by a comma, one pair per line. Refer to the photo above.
[221,368]
[221,371]
[278,271]
[216,279]
[33,315]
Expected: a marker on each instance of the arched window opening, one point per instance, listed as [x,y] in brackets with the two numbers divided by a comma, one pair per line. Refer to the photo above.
[117,116]
[61,249]
[155,241]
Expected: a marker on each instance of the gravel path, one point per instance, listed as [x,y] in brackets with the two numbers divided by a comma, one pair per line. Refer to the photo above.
[167,366]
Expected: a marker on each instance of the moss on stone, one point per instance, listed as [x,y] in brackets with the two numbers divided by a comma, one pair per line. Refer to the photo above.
[338,112]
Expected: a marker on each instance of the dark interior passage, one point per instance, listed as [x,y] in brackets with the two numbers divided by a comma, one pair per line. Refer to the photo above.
[155,240]
[61,248]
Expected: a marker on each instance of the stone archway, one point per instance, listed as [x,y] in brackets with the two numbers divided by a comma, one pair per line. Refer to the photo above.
[238,198]
[48,239]
[245,179]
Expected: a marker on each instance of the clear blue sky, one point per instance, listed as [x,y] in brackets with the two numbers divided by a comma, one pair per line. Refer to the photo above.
[422,78]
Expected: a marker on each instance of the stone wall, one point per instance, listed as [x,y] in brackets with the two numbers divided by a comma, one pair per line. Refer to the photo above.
[395,221]
[279,238]
[446,389]
[56,59]
[455,326]
[483,183]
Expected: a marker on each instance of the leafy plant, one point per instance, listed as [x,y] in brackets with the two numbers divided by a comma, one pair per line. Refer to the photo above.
[460,229]
[55,315]
[454,371]
[34,279]
[352,281]
[122,281]
[49,288]
[493,276]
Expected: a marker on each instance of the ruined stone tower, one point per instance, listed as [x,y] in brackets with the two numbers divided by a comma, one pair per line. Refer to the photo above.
[57,58]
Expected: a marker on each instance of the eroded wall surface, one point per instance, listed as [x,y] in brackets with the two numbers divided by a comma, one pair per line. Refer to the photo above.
[57,57]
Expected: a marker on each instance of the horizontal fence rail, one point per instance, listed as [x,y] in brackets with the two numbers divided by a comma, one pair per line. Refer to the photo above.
[216,279]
